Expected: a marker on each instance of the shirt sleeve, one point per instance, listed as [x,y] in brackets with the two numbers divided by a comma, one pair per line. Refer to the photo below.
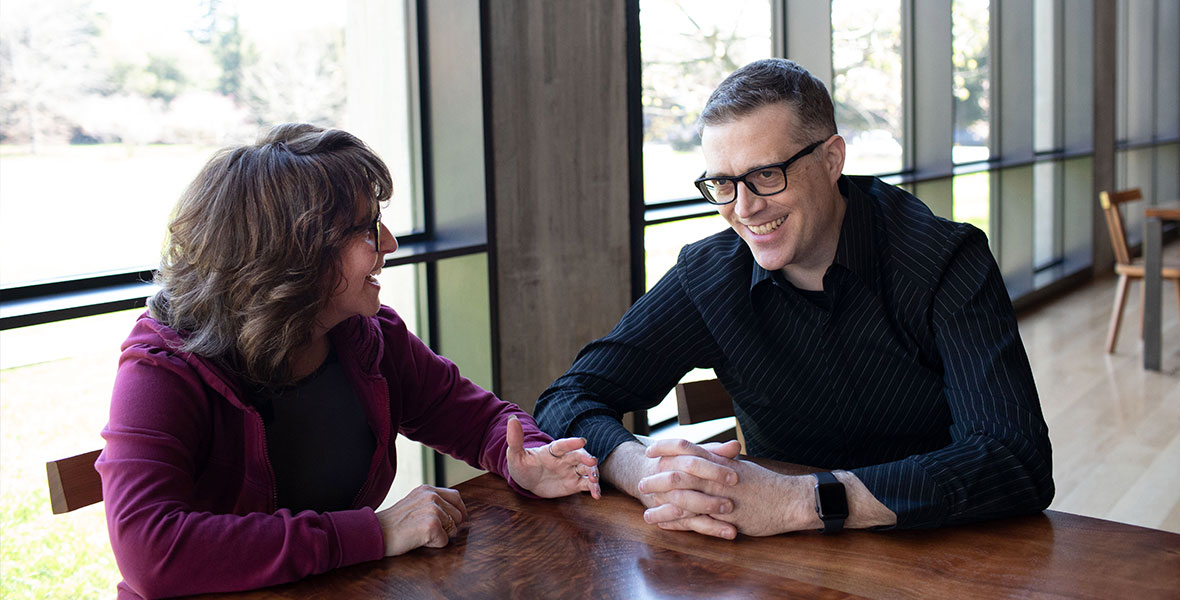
[660,338]
[167,538]
[446,411]
[999,462]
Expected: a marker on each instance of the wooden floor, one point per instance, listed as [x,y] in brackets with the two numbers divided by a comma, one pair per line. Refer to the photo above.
[1115,427]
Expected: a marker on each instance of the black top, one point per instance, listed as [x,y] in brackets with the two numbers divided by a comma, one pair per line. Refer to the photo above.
[911,374]
[318,440]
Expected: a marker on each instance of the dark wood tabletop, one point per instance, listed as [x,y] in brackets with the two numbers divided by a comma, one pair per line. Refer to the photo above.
[576,547]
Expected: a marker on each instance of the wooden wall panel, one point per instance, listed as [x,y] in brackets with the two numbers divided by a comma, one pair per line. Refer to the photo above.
[557,137]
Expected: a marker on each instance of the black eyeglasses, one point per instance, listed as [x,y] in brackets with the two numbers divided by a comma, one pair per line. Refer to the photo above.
[371,229]
[766,180]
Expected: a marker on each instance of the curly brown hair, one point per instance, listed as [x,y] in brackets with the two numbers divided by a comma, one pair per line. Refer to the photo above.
[254,245]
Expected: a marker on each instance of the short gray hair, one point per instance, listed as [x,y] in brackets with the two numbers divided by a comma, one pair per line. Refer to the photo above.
[771,81]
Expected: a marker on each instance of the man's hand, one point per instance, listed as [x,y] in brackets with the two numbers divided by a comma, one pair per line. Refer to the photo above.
[689,479]
[559,468]
[762,503]
[754,504]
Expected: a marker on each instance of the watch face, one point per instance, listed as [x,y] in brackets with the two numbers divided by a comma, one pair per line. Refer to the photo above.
[833,503]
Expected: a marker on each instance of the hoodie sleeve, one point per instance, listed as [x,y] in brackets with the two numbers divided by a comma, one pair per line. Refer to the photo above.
[446,411]
[172,523]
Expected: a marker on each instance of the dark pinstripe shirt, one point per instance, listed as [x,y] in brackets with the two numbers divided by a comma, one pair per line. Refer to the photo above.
[913,376]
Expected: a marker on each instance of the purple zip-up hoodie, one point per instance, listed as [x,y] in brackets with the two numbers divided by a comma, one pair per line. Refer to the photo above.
[189,489]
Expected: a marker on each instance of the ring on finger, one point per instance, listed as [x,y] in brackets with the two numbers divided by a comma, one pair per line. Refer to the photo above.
[550,449]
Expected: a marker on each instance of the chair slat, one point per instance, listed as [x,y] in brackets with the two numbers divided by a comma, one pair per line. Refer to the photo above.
[73,482]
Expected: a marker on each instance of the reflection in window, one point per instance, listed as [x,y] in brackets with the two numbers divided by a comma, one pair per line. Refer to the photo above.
[972,79]
[972,200]
[866,83]
[111,107]
[662,243]
[688,47]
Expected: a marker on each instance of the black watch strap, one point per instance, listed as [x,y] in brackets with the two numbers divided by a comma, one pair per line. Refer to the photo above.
[831,502]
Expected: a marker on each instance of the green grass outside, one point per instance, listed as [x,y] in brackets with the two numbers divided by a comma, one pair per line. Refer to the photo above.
[52,410]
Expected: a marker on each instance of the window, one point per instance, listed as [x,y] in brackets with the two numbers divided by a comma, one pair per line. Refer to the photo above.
[688,47]
[972,80]
[866,83]
[111,107]
[108,108]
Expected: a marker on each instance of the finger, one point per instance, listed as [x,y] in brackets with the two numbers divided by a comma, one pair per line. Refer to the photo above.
[560,448]
[515,435]
[452,498]
[700,468]
[730,449]
[662,448]
[667,481]
[702,524]
[590,484]
[693,502]
[583,457]
[666,513]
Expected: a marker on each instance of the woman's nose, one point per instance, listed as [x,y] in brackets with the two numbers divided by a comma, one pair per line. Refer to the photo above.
[388,241]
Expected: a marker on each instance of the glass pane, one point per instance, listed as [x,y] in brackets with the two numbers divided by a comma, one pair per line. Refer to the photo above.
[688,47]
[399,290]
[1046,215]
[1046,133]
[866,83]
[973,200]
[662,243]
[56,400]
[111,108]
[972,79]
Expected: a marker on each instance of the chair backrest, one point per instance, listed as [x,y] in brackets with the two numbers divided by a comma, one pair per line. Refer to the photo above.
[1110,202]
[700,401]
[73,482]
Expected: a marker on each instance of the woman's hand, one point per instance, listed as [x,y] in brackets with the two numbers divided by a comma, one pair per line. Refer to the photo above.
[427,516]
[559,468]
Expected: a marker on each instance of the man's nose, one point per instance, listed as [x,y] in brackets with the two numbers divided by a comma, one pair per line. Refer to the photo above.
[747,203]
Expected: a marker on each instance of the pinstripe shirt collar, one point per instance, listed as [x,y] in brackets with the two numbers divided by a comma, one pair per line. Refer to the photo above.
[855,250]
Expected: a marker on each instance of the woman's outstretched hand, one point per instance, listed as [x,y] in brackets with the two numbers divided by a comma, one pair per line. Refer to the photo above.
[559,468]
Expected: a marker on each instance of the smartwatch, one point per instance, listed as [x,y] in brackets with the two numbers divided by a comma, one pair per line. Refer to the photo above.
[831,502]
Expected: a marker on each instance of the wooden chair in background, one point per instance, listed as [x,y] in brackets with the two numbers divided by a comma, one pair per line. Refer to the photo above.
[1126,268]
[73,482]
[700,401]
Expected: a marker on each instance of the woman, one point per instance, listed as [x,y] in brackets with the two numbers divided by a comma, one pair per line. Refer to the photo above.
[254,413]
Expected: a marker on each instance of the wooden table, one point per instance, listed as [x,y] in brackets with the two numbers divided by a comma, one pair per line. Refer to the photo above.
[1153,282]
[515,547]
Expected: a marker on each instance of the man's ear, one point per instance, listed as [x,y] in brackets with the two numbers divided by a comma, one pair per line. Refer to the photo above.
[833,155]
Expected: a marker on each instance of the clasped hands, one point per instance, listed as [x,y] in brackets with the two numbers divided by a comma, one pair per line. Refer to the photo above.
[429,516]
[704,488]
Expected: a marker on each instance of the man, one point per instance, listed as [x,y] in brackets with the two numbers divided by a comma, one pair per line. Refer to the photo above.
[855,331]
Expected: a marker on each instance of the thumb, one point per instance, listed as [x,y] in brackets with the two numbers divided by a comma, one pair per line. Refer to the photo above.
[729,449]
[515,436]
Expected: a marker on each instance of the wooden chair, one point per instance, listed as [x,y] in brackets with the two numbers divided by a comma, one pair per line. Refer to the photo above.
[1126,268]
[73,482]
[700,401]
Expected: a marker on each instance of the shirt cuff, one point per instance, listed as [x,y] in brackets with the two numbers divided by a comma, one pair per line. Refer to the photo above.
[358,537]
[603,434]
[907,489]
